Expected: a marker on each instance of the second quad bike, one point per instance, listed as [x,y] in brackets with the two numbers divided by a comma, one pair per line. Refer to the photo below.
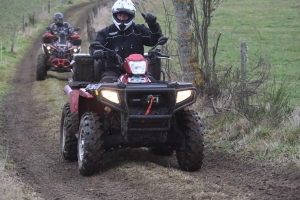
[134,111]
[58,52]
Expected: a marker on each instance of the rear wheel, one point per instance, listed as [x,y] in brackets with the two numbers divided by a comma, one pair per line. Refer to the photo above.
[68,128]
[190,153]
[90,144]
[41,70]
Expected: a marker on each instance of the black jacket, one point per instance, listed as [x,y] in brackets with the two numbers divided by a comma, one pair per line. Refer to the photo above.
[66,27]
[130,41]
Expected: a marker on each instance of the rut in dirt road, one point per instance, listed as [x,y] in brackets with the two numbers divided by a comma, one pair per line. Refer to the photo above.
[128,173]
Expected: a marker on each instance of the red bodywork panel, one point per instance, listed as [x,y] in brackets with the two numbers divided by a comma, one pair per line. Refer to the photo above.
[48,35]
[60,62]
[76,36]
[73,97]
[85,94]
[134,57]
[81,101]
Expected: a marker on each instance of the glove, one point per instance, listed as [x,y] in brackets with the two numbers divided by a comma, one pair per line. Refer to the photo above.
[98,54]
[149,18]
[113,55]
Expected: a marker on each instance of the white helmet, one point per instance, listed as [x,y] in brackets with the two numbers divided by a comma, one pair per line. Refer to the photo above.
[125,7]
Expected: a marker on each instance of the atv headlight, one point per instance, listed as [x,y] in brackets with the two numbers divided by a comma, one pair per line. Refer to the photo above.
[183,95]
[137,67]
[49,49]
[75,50]
[110,95]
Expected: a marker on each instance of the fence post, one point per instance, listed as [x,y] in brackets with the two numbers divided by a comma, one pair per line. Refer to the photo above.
[244,71]
[48,6]
[23,21]
[13,41]
[0,48]
[33,18]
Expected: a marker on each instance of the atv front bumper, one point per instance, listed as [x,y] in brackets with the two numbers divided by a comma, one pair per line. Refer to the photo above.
[146,107]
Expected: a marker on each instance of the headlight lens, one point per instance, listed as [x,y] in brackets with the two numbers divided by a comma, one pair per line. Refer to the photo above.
[75,50]
[183,95]
[111,96]
[138,67]
[49,49]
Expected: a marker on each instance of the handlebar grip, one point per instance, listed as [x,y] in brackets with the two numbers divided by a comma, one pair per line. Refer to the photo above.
[164,55]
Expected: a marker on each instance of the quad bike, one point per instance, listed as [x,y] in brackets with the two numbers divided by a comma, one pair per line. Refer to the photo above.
[131,112]
[58,52]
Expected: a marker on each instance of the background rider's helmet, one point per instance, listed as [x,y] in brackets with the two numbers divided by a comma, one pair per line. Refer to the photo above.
[58,19]
[123,6]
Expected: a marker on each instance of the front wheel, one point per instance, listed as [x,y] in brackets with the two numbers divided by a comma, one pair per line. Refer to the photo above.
[190,153]
[68,128]
[90,144]
[41,70]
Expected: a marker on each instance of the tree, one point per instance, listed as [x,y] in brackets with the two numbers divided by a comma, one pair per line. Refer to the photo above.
[187,45]
[191,35]
[202,35]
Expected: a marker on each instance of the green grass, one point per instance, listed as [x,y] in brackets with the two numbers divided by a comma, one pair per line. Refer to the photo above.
[268,27]
[12,14]
[270,30]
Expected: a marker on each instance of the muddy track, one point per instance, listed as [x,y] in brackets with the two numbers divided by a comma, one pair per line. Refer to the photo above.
[40,165]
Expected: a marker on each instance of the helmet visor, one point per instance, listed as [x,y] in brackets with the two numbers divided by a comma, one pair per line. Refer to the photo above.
[124,10]
[58,20]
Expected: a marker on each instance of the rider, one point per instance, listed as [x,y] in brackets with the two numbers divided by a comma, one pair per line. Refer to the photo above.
[124,37]
[59,25]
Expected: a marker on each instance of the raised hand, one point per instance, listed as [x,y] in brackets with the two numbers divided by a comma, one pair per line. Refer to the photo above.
[149,18]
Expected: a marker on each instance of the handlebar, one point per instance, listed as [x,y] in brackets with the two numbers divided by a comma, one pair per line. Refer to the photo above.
[153,52]
[163,55]
[98,46]
[156,53]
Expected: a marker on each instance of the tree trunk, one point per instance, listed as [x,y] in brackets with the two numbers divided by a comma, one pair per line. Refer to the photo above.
[206,6]
[186,41]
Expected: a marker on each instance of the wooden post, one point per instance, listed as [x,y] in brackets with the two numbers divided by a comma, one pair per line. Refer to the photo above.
[244,71]
[13,41]
[0,48]
[48,6]
[23,23]
[33,18]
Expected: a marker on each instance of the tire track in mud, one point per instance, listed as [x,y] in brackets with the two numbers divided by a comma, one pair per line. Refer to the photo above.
[36,156]
[40,165]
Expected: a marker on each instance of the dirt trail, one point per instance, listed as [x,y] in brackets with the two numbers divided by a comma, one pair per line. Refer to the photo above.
[129,173]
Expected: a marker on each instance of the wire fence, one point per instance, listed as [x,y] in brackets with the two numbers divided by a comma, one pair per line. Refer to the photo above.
[18,17]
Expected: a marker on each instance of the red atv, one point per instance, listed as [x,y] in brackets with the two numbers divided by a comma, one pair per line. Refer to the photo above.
[58,52]
[132,112]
